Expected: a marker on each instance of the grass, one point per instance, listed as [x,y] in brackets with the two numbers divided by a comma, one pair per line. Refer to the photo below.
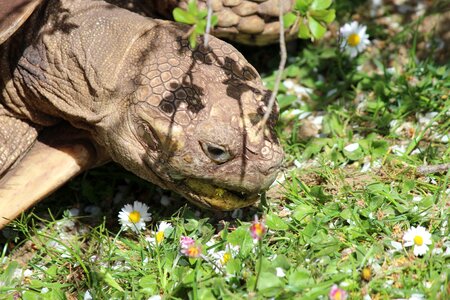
[351,187]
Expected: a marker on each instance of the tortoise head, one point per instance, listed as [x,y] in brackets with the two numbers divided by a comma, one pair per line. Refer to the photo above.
[193,126]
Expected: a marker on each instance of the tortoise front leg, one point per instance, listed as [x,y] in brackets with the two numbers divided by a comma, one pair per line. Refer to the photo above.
[16,138]
[47,166]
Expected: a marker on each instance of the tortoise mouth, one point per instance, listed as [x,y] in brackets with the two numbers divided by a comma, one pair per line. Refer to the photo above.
[210,196]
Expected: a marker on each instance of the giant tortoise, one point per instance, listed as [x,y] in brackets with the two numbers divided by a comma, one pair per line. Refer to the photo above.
[83,82]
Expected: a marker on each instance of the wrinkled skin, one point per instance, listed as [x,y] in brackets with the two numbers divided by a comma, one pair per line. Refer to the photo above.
[186,120]
[193,126]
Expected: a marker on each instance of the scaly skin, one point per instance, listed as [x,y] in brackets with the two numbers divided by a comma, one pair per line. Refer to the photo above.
[181,118]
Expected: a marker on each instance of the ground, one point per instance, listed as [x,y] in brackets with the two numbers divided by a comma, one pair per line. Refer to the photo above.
[366,141]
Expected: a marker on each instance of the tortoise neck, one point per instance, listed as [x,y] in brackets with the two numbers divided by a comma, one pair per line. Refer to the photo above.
[14,97]
[73,65]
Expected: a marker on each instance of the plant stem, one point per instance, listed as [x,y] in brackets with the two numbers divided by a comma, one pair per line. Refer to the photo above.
[208,23]
[194,284]
[160,270]
[258,271]
[283,58]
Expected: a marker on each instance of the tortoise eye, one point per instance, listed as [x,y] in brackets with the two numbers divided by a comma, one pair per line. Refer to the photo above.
[216,153]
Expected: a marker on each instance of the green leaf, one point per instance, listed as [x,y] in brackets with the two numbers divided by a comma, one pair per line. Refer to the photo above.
[289,19]
[241,237]
[214,20]
[379,148]
[202,14]
[301,211]
[300,279]
[200,27]
[274,222]
[31,295]
[319,194]
[302,5]
[188,276]
[309,231]
[191,225]
[286,100]
[346,214]
[268,283]
[316,28]
[281,261]
[333,123]
[234,266]
[183,16]
[8,275]
[206,294]
[55,294]
[354,155]
[320,4]
[327,250]
[193,40]
[192,7]
[52,271]
[107,277]
[303,30]
[326,16]
[149,284]
[315,146]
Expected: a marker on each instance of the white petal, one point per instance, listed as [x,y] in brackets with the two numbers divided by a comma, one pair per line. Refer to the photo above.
[420,250]
[289,84]
[409,234]
[280,272]
[87,296]
[351,147]
[396,245]
[408,244]
[416,297]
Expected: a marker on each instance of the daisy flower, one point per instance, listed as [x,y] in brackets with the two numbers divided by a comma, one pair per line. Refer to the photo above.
[134,216]
[354,38]
[222,257]
[418,237]
[257,229]
[159,236]
[337,293]
[189,247]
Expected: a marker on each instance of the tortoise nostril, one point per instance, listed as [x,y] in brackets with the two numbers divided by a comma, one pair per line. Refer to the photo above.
[216,153]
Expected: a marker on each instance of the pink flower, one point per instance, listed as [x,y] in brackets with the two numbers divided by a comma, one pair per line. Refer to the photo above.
[257,229]
[189,247]
[337,293]
[186,242]
[192,251]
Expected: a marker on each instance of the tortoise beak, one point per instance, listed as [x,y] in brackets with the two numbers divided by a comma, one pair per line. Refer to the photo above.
[213,197]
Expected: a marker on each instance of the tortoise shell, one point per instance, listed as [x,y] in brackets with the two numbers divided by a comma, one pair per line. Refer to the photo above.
[253,22]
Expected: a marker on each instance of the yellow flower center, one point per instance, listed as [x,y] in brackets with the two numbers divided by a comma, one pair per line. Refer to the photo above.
[258,229]
[366,273]
[418,240]
[134,217]
[193,251]
[226,257]
[337,295]
[159,236]
[353,40]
